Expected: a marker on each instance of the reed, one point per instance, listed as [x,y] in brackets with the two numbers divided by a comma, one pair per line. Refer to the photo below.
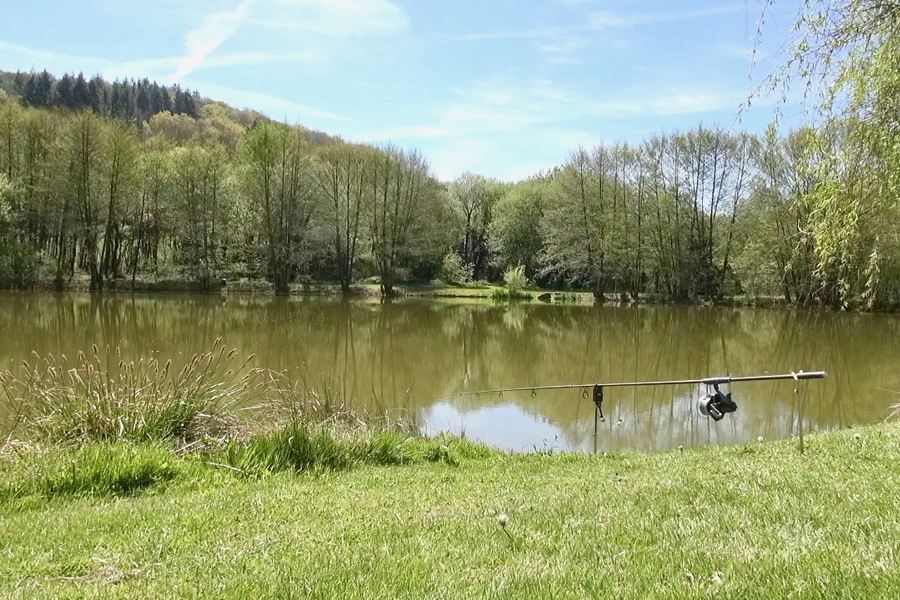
[103,426]
[102,397]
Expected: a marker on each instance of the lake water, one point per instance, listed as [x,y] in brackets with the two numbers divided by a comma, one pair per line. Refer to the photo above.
[418,355]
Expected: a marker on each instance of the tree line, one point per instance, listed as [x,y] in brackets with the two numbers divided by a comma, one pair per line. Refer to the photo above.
[810,216]
[128,100]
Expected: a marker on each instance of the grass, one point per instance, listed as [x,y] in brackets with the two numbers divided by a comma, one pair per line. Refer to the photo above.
[90,470]
[102,397]
[128,481]
[502,293]
[753,521]
[328,448]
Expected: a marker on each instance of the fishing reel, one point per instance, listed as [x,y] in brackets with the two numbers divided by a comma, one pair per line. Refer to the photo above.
[717,404]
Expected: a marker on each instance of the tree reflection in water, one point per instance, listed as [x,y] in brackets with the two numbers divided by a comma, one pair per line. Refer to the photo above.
[415,355]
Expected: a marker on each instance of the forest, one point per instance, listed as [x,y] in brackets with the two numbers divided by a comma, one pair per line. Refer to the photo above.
[134,180]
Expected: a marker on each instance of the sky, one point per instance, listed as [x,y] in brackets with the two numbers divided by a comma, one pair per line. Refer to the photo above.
[504,88]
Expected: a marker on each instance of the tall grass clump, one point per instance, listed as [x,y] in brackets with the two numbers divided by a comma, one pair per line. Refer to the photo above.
[516,281]
[299,428]
[103,397]
[302,428]
[309,447]
[565,298]
[285,400]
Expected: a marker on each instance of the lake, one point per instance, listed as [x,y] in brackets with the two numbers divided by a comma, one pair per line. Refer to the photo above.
[417,355]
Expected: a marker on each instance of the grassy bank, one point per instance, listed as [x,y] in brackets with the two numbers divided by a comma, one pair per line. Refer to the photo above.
[755,521]
[131,480]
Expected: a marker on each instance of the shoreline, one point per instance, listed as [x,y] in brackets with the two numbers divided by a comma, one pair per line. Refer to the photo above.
[425,290]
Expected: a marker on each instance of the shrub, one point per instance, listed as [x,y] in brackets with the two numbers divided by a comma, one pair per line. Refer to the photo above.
[515,279]
[454,270]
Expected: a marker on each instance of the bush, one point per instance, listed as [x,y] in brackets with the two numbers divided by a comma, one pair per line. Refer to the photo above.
[454,270]
[515,279]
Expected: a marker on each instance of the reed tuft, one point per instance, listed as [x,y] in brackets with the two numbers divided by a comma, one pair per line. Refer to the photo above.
[103,397]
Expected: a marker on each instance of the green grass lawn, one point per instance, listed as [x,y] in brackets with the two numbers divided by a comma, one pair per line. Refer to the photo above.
[754,521]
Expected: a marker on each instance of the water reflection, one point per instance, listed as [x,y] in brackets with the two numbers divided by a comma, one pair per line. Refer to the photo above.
[418,355]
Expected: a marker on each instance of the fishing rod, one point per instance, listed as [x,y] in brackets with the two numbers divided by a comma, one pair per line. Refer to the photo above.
[704,381]
[715,404]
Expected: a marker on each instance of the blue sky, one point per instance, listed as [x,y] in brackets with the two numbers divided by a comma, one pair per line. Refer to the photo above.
[500,87]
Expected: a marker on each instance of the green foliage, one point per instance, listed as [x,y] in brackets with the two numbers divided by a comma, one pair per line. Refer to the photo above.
[515,279]
[515,283]
[204,194]
[472,199]
[846,54]
[454,270]
[19,266]
[515,236]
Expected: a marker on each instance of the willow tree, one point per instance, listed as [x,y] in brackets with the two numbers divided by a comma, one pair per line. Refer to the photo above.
[199,175]
[155,175]
[37,179]
[83,147]
[515,236]
[11,120]
[846,53]
[119,169]
[7,240]
[278,181]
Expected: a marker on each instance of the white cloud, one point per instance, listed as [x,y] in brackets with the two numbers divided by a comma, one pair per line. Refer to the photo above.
[609,20]
[338,18]
[495,118]
[497,106]
[405,132]
[15,57]
[568,50]
[206,38]
[603,20]
[678,102]
[461,155]
[159,69]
